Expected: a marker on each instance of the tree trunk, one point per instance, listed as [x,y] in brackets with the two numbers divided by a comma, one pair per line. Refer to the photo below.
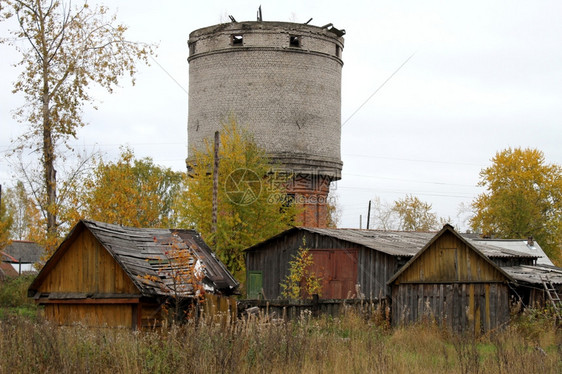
[50,178]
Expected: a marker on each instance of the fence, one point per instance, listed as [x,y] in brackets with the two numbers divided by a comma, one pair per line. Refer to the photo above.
[291,309]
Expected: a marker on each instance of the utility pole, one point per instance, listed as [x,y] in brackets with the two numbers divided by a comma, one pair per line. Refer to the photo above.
[369,215]
[215,183]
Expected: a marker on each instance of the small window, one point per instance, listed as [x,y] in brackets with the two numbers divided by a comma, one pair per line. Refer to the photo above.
[237,39]
[192,48]
[338,51]
[295,41]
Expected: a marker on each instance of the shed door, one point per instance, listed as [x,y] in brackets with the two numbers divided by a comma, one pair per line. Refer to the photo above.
[255,284]
[338,269]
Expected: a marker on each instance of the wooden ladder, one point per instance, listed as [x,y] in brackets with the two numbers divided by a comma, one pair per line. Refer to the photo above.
[553,297]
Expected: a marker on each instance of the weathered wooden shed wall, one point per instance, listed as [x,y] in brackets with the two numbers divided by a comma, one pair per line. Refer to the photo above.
[451,281]
[272,260]
[372,268]
[96,315]
[87,267]
[110,275]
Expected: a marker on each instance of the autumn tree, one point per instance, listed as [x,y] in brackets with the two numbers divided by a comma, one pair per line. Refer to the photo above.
[251,200]
[6,221]
[182,274]
[25,215]
[382,216]
[64,49]
[131,192]
[415,215]
[302,281]
[523,198]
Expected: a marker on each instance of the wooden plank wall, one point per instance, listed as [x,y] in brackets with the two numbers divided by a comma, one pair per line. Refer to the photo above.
[91,315]
[86,267]
[273,262]
[374,268]
[473,307]
[450,260]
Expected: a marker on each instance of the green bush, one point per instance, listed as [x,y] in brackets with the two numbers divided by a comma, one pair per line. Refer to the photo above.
[13,292]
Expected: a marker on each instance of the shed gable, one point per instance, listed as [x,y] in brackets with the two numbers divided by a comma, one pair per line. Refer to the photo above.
[86,267]
[449,259]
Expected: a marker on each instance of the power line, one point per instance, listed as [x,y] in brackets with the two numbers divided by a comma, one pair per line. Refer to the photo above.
[409,180]
[411,159]
[378,89]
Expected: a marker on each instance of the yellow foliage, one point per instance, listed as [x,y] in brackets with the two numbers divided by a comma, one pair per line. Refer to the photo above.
[131,192]
[251,202]
[523,198]
[415,215]
[301,282]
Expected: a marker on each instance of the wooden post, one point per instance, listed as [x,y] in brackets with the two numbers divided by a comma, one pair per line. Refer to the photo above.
[315,306]
[368,214]
[215,183]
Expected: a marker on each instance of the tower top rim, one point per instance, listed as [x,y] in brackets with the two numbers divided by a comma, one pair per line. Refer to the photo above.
[328,30]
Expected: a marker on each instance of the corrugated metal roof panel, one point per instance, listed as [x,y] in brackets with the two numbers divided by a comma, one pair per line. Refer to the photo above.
[520,246]
[534,274]
[406,243]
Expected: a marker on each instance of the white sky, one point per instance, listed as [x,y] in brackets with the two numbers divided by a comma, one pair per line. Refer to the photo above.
[485,76]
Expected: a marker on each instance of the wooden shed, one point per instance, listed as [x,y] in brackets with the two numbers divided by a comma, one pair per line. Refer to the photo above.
[352,262]
[453,282]
[115,276]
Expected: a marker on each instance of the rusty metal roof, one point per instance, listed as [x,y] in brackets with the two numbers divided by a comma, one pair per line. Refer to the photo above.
[144,255]
[406,243]
[7,271]
[534,274]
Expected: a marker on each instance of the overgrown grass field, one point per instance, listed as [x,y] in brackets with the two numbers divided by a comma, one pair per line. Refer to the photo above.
[350,344]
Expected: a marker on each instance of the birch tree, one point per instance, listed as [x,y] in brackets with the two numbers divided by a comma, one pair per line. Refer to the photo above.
[64,49]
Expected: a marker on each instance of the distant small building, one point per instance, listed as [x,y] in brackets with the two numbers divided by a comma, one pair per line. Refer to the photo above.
[110,275]
[449,280]
[22,255]
[7,271]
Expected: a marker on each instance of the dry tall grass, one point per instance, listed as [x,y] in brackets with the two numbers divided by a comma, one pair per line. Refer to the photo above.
[325,345]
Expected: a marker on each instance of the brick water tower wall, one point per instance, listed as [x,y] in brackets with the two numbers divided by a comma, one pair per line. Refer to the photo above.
[282,81]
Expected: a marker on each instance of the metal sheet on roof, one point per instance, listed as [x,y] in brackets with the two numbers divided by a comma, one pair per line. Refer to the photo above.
[534,274]
[519,245]
[405,243]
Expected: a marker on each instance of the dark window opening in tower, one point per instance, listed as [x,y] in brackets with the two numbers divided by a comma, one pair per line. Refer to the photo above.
[192,48]
[237,39]
[338,51]
[295,41]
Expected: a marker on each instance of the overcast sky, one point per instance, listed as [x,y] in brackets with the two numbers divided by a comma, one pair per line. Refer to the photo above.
[484,76]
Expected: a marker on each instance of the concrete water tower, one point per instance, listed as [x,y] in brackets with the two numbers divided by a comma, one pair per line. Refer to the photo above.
[282,81]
